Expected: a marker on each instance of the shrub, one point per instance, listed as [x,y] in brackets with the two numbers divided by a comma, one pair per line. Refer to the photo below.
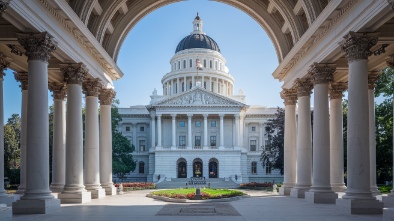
[136,186]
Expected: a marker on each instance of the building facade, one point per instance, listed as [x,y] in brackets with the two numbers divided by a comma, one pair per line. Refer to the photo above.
[198,127]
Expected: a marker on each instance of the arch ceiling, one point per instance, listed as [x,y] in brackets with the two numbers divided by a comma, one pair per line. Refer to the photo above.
[285,21]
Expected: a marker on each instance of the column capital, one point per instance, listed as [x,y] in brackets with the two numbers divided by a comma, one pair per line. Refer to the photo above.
[74,73]
[289,96]
[221,115]
[106,96]
[59,90]
[322,73]
[153,114]
[22,77]
[336,90]
[173,116]
[189,115]
[236,116]
[303,86]
[357,45]
[38,46]
[4,64]
[4,5]
[372,77]
[390,60]
[158,116]
[92,87]
[205,116]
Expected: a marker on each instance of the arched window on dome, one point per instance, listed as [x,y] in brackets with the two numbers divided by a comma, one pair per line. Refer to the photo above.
[190,63]
[205,63]
[179,65]
[210,64]
[184,63]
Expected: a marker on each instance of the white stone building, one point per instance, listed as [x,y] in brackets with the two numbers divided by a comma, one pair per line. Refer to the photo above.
[198,127]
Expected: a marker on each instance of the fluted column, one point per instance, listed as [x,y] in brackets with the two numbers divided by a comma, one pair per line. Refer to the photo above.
[4,198]
[37,197]
[105,97]
[74,190]
[358,197]
[221,116]
[236,119]
[159,130]
[189,131]
[173,143]
[22,77]
[153,129]
[290,158]
[92,88]
[59,91]
[304,138]
[321,192]
[205,130]
[336,137]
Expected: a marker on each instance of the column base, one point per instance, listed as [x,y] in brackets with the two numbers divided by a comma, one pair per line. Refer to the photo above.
[78,197]
[285,190]
[5,212]
[8,199]
[97,193]
[388,200]
[173,147]
[222,147]
[56,188]
[321,197]
[360,206]
[375,191]
[20,191]
[338,187]
[36,206]
[388,214]
[110,190]
[299,192]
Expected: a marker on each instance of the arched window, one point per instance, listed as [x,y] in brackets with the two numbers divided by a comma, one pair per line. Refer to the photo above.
[190,63]
[184,63]
[141,167]
[268,169]
[210,64]
[179,65]
[254,167]
[205,63]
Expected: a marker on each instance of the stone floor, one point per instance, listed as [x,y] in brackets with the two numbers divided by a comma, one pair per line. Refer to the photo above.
[260,206]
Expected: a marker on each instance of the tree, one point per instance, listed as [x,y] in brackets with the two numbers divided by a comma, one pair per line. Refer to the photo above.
[12,132]
[274,152]
[122,160]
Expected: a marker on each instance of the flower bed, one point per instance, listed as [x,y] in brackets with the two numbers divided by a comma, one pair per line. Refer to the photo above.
[190,193]
[136,186]
[254,184]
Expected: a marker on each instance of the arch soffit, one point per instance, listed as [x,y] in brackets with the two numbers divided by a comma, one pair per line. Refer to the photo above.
[180,160]
[213,159]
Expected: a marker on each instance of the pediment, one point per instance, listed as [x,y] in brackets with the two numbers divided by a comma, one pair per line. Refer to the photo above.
[199,97]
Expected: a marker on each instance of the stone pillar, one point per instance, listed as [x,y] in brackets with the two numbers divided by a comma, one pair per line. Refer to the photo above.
[261,136]
[241,129]
[185,84]
[205,130]
[290,158]
[358,197]
[210,84]
[92,88]
[153,129]
[189,131]
[202,81]
[74,190]
[321,192]
[159,130]
[173,143]
[193,82]
[336,137]
[221,116]
[37,197]
[105,97]
[177,86]
[217,86]
[372,77]
[22,77]
[135,136]
[236,119]
[304,139]
[59,136]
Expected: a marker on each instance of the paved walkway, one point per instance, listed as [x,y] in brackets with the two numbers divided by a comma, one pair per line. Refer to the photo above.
[260,206]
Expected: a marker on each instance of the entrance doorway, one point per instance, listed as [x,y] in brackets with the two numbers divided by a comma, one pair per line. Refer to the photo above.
[182,168]
[197,168]
[213,169]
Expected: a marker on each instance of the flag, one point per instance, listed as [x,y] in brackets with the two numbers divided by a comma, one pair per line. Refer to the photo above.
[198,64]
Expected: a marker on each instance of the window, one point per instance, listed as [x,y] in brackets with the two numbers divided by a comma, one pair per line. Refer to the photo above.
[142,145]
[182,141]
[198,124]
[190,63]
[191,85]
[205,85]
[253,145]
[181,123]
[210,64]
[184,63]
[213,123]
[179,65]
[197,141]
[141,167]
[127,128]
[183,86]
[267,169]
[205,63]
[253,128]
[213,141]
[142,129]
[254,167]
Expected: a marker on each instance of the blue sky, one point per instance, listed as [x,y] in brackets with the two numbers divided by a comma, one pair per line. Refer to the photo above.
[146,52]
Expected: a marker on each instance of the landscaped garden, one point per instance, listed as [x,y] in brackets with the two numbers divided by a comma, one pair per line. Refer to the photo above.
[136,186]
[190,193]
[258,186]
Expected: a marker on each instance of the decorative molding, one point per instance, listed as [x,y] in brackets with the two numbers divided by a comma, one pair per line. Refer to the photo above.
[372,77]
[106,96]
[4,64]
[38,46]
[74,73]
[92,87]
[336,90]
[390,61]
[15,50]
[289,96]
[391,3]
[59,90]
[23,78]
[303,86]
[357,45]
[4,5]
[322,73]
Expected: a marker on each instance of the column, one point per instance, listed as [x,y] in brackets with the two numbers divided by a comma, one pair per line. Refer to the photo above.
[193,82]
[261,137]
[92,88]
[321,192]
[185,84]
[221,116]
[74,190]
[135,136]
[217,86]
[336,137]
[59,90]
[358,197]
[178,87]
[241,129]
[22,77]
[210,84]
[153,129]
[173,146]
[159,130]
[105,97]
[37,197]
[189,131]
[290,158]
[205,130]
[304,139]
[202,81]
[236,119]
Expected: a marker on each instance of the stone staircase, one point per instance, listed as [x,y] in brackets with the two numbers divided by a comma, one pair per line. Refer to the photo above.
[181,183]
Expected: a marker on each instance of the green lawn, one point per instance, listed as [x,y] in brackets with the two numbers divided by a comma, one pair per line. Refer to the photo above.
[206,193]
[385,189]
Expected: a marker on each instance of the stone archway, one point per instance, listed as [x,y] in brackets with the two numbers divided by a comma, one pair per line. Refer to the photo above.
[197,168]
[213,168]
[181,165]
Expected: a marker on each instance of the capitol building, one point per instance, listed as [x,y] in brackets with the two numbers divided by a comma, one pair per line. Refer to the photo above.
[198,127]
